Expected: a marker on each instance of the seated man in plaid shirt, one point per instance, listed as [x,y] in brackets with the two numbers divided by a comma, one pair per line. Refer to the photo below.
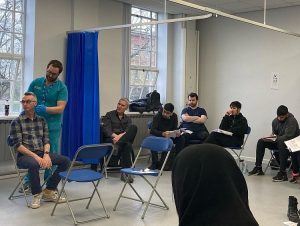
[30,137]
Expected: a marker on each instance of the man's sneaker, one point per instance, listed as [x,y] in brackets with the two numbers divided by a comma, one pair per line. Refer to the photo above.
[36,201]
[52,195]
[125,177]
[27,189]
[257,171]
[281,176]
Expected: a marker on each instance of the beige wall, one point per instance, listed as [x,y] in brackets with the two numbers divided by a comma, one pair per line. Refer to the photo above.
[54,19]
[236,63]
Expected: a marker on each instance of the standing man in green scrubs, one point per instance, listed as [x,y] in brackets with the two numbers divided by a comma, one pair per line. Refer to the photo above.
[52,97]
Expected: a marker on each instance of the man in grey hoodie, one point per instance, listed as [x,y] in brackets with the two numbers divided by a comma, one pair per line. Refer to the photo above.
[284,127]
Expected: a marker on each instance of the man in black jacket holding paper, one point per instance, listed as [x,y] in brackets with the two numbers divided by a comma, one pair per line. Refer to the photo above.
[234,123]
[165,124]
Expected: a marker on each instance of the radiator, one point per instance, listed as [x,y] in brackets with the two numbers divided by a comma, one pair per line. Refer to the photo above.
[4,150]
[140,120]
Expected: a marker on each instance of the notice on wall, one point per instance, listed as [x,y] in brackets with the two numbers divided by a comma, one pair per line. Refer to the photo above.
[274,81]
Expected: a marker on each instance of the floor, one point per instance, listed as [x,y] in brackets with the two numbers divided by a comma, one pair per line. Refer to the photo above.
[268,202]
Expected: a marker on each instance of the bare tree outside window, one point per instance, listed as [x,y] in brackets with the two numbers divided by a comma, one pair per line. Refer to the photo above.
[12,22]
[143,54]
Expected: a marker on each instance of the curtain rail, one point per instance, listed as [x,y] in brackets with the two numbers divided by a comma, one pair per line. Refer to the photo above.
[217,12]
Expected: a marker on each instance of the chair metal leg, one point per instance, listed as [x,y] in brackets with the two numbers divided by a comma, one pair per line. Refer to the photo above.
[115,207]
[107,216]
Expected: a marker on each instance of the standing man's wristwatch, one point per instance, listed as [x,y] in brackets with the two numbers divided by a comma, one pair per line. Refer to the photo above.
[46,152]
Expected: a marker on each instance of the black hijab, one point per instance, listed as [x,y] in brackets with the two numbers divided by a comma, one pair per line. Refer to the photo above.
[209,188]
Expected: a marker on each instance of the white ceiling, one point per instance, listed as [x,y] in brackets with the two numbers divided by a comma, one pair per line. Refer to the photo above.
[228,6]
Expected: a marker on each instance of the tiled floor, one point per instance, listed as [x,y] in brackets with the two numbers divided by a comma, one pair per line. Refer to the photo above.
[268,202]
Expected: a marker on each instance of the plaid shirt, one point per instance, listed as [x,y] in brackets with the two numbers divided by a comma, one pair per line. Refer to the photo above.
[33,134]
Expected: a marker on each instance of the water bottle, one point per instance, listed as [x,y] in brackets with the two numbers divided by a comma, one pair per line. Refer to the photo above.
[6,108]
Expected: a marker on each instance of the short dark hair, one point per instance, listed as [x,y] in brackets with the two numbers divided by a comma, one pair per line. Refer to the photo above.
[282,110]
[236,104]
[169,107]
[193,95]
[30,94]
[57,64]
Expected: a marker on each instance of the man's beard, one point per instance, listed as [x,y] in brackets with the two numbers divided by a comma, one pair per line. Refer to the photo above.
[50,79]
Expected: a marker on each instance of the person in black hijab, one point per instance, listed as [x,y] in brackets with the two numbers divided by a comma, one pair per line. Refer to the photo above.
[209,195]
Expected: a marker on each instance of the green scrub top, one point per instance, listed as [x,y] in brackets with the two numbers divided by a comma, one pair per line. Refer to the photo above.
[48,96]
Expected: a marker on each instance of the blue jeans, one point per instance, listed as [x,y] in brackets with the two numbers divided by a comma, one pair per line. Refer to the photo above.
[27,162]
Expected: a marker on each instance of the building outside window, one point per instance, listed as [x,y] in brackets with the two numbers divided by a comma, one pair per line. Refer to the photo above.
[12,30]
[143,54]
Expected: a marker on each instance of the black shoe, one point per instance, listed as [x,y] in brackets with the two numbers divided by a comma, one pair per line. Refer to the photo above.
[167,168]
[125,177]
[292,213]
[281,176]
[256,171]
[153,166]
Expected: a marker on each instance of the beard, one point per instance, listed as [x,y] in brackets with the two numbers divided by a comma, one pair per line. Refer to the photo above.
[50,79]
[192,105]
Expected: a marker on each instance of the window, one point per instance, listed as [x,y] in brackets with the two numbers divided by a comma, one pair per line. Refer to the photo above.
[12,30]
[143,54]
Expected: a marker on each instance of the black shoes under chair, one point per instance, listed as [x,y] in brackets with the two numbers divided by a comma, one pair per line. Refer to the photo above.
[256,171]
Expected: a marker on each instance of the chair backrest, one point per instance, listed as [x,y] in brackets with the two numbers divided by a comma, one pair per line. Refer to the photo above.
[149,124]
[9,141]
[93,152]
[158,144]
[246,136]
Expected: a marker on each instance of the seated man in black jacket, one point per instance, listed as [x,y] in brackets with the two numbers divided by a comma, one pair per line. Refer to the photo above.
[234,122]
[164,124]
[119,130]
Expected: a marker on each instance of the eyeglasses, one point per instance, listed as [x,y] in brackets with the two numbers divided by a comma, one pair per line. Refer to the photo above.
[27,101]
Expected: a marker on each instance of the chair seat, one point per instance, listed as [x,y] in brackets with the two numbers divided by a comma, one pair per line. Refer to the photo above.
[140,171]
[81,175]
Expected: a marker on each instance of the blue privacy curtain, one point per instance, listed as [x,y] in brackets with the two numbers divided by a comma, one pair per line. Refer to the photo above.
[81,122]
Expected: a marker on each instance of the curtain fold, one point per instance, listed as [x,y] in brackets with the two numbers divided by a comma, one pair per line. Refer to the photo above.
[81,121]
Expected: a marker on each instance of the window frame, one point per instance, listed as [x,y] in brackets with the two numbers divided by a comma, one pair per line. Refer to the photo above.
[15,76]
[148,70]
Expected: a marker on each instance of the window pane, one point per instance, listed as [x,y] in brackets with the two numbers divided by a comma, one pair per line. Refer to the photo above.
[144,58]
[146,90]
[18,44]
[4,90]
[5,20]
[145,13]
[19,22]
[5,42]
[6,4]
[137,77]
[153,59]
[135,11]
[9,69]
[150,79]
[17,91]
[135,93]
[19,5]
[16,107]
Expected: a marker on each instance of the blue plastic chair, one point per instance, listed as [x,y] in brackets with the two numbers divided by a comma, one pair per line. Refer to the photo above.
[99,153]
[156,144]
[237,150]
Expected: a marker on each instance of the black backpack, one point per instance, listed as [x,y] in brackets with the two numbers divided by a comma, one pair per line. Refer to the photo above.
[150,103]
